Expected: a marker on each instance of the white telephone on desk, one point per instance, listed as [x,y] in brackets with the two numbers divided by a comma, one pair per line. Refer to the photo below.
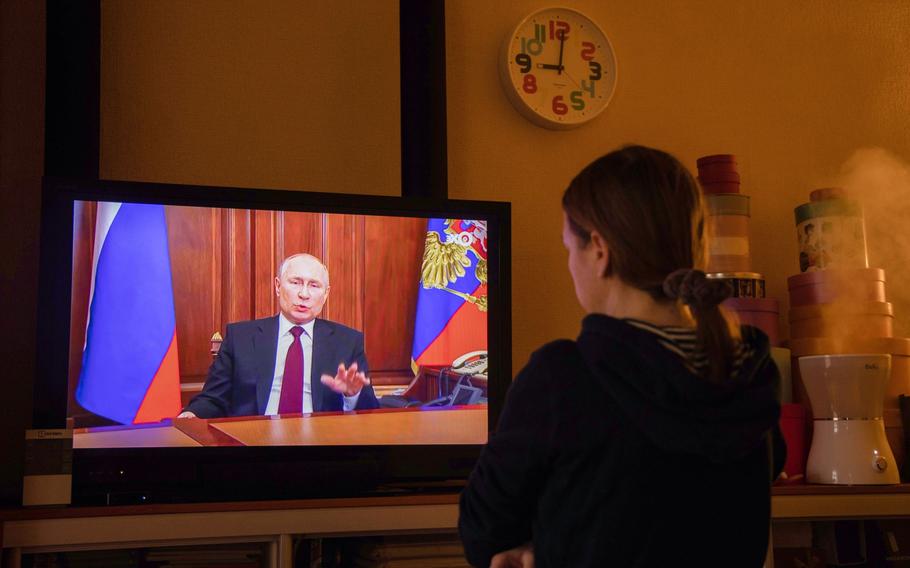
[473,363]
[469,364]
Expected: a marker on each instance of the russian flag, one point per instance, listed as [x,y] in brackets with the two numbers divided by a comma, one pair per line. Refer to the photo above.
[129,365]
[451,318]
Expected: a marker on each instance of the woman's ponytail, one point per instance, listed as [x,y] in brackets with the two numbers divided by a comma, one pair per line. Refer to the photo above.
[714,334]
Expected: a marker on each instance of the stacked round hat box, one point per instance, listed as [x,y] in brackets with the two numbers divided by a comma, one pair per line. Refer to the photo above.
[848,368]
[730,258]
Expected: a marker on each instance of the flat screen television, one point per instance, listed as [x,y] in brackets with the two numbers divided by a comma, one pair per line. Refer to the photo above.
[164,340]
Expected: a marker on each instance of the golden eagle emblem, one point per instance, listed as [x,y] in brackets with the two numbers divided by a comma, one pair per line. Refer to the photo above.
[445,262]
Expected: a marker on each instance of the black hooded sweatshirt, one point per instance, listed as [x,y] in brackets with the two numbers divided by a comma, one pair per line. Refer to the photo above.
[609,452]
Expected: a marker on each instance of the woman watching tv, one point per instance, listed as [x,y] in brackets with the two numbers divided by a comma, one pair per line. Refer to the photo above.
[652,439]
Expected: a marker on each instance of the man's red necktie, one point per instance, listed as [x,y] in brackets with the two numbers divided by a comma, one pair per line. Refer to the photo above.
[291,401]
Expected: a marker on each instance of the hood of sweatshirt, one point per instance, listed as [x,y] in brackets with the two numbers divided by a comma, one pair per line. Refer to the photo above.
[675,409]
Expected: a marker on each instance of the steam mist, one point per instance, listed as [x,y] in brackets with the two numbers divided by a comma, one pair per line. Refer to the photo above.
[881,182]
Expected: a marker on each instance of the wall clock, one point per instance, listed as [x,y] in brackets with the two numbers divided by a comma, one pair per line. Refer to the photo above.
[558,68]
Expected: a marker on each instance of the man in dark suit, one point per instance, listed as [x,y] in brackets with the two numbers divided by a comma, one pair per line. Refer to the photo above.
[289,363]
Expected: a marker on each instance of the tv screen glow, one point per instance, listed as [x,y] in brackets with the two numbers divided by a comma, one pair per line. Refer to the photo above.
[155,286]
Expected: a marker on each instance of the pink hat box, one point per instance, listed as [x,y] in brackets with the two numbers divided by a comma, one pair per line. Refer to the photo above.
[824,193]
[842,319]
[716,174]
[728,160]
[830,285]
[714,187]
[763,313]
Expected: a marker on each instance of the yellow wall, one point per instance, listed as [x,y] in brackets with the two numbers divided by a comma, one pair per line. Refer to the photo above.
[305,95]
[792,88]
[279,94]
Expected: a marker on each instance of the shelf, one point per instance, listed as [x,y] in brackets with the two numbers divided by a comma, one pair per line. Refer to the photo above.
[816,502]
[155,525]
[81,526]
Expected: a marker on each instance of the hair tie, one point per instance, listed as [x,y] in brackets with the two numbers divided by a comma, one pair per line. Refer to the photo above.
[696,290]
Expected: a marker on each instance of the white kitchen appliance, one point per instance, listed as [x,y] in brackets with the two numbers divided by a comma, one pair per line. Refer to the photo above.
[849,446]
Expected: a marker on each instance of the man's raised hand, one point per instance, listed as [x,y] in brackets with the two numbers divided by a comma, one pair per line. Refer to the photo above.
[347,381]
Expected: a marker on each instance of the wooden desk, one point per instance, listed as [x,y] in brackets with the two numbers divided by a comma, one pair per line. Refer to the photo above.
[389,426]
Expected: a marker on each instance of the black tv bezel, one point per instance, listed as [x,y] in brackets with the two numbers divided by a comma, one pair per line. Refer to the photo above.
[147,475]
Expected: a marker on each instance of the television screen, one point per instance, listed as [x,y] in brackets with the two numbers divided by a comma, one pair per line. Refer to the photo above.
[359,333]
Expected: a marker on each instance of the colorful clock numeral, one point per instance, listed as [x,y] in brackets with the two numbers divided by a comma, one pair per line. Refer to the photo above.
[559,107]
[578,103]
[535,46]
[587,50]
[532,46]
[559,29]
[588,86]
[595,71]
[524,60]
[529,84]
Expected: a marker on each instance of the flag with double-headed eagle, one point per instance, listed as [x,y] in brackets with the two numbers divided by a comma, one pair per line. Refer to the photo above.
[451,318]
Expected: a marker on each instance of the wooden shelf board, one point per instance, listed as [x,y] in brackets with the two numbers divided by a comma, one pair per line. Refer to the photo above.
[45,529]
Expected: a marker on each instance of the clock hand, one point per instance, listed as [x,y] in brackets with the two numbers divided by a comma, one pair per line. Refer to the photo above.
[562,42]
[571,78]
[559,67]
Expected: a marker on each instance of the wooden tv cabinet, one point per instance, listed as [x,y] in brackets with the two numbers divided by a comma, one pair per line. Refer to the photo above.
[277,523]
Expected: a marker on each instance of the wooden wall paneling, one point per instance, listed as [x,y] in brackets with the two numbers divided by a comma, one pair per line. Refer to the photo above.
[299,232]
[295,232]
[265,251]
[195,242]
[344,258]
[236,268]
[84,214]
[394,251]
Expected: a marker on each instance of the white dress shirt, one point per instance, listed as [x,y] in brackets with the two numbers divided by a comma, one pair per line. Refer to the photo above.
[285,338]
